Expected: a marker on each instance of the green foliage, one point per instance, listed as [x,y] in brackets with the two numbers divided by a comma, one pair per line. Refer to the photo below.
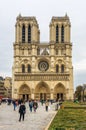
[69,119]
[78,92]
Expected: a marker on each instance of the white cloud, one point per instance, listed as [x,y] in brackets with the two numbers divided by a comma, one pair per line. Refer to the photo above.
[80,66]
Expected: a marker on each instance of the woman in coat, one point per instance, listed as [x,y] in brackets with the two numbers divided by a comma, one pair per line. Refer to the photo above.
[22,111]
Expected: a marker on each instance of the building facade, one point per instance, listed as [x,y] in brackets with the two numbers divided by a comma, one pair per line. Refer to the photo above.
[2,88]
[8,86]
[42,70]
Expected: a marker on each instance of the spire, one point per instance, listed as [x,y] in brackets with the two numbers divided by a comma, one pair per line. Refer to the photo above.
[19,15]
[66,14]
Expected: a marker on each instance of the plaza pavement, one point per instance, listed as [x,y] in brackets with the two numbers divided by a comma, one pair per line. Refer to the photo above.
[33,121]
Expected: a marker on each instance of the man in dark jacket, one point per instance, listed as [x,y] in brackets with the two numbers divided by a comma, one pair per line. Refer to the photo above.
[22,111]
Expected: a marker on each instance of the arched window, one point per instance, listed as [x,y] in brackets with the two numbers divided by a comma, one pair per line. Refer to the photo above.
[57,34]
[23,68]
[62,68]
[29,69]
[29,34]
[62,33]
[23,33]
[57,68]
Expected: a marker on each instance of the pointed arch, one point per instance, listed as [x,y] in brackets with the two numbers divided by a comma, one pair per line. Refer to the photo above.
[23,68]
[59,91]
[57,68]
[42,91]
[57,34]
[59,87]
[62,33]
[23,33]
[62,68]
[29,68]
[29,33]
[24,92]
[24,88]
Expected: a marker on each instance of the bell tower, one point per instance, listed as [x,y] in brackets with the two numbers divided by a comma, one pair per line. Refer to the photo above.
[61,48]
[26,30]
[60,29]
[42,70]
[27,37]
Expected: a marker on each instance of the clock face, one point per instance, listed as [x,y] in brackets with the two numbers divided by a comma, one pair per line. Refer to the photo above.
[43,65]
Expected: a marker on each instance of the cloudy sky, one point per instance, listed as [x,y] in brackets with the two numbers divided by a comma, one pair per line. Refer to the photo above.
[43,10]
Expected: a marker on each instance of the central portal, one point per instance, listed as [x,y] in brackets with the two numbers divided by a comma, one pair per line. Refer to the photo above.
[60,96]
[59,92]
[25,97]
[43,96]
[42,91]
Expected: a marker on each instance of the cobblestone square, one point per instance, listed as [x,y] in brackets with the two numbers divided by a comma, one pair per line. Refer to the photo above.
[9,119]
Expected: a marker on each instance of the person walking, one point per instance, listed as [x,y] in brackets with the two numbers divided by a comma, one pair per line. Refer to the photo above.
[30,105]
[46,105]
[22,111]
[35,105]
[14,104]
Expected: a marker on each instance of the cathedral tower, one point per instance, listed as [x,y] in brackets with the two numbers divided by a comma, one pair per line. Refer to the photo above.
[42,70]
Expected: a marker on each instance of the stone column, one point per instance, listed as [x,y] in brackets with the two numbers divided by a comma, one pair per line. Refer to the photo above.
[52,50]
[68,33]
[51,96]
[33,49]
[34,33]
[17,50]
[65,32]
[20,33]
[52,33]
[52,63]
[32,92]
[17,32]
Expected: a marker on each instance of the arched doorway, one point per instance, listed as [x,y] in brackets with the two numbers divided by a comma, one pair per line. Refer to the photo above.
[24,92]
[59,92]
[42,91]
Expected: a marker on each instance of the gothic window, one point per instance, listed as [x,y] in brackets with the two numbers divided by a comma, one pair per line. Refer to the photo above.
[29,34]
[57,34]
[23,33]
[29,69]
[57,68]
[62,68]
[62,33]
[23,68]
[62,51]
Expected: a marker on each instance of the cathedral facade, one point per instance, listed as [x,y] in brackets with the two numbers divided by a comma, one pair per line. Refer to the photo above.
[42,70]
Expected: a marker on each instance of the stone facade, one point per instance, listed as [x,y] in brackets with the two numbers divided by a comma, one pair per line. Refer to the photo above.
[2,88]
[42,70]
[8,86]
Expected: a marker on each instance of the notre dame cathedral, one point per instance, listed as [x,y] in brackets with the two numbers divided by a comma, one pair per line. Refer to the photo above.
[42,70]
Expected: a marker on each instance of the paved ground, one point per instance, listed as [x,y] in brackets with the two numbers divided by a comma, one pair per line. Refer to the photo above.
[33,121]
